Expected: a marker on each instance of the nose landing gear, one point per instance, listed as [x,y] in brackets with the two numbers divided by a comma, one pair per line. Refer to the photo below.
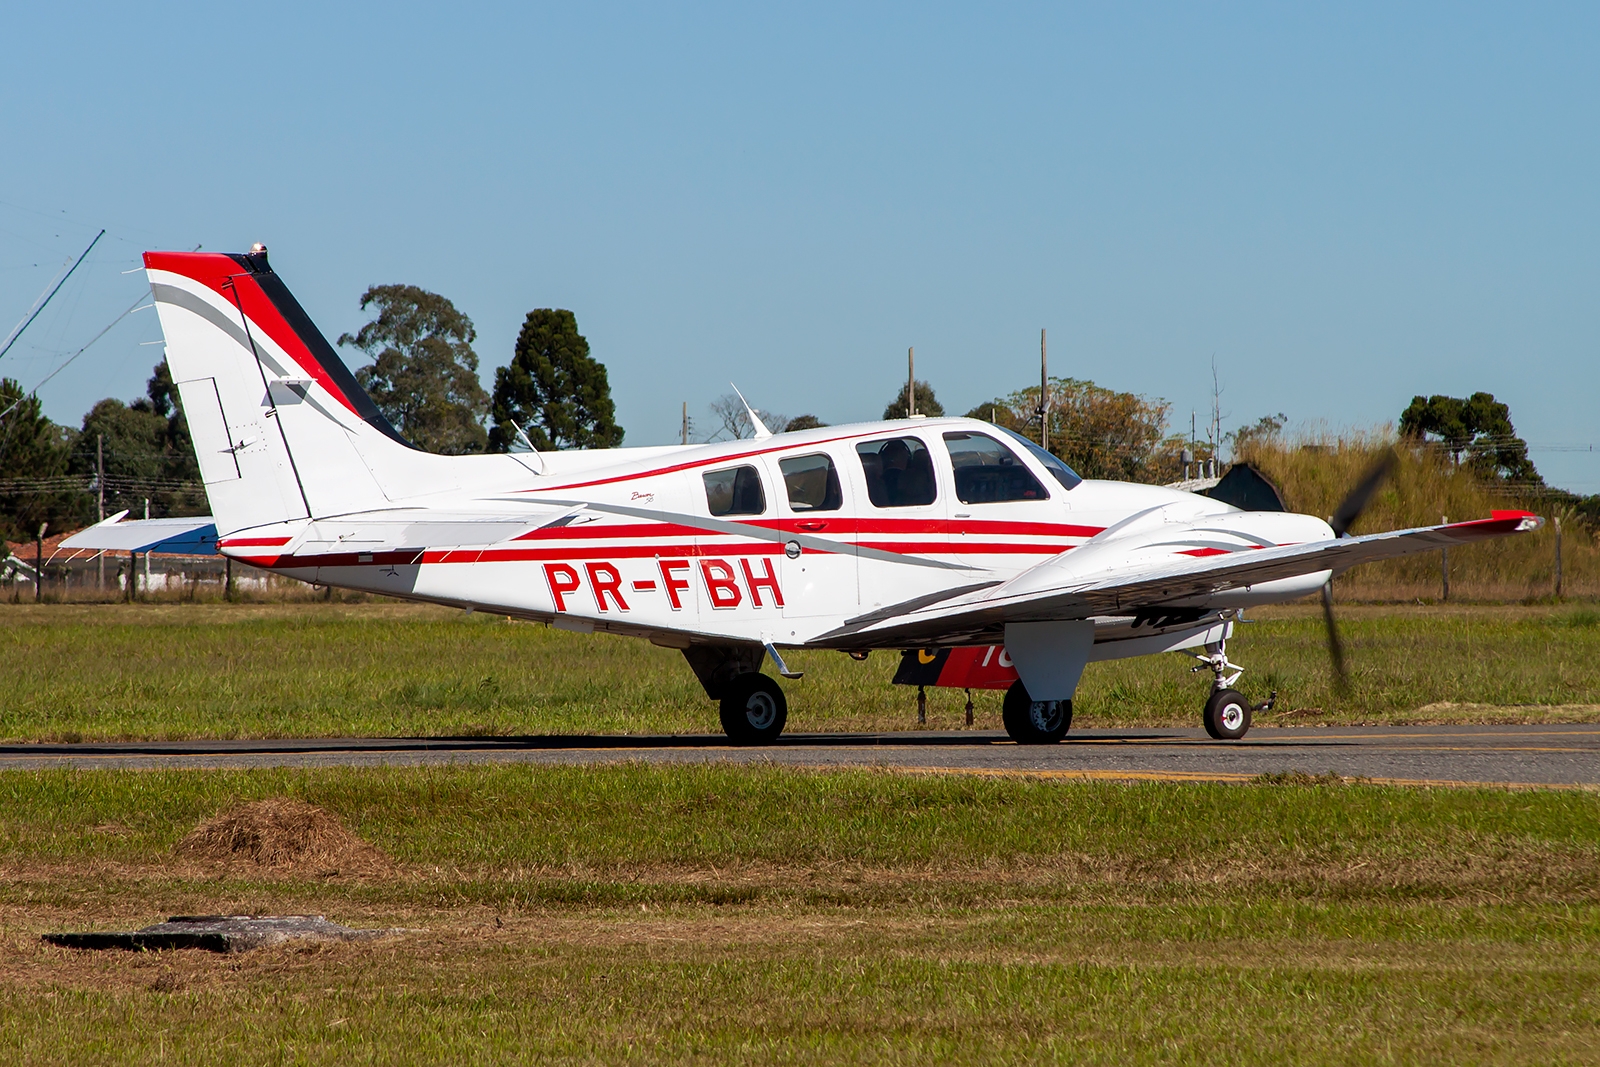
[1227,712]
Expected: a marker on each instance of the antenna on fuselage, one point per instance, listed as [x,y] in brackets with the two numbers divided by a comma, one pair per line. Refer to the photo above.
[521,446]
[759,427]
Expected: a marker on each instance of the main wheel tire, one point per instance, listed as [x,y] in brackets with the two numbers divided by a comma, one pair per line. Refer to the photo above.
[754,710]
[1034,722]
[1227,715]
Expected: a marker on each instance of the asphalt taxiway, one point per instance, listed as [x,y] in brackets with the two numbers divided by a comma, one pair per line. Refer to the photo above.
[1517,756]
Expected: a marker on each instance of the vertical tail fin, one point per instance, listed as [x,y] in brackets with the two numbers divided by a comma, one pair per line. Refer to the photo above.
[281,428]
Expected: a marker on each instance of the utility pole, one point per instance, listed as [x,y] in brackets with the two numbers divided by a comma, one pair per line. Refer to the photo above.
[100,500]
[38,564]
[1558,557]
[1216,418]
[911,382]
[1044,396]
[1444,565]
[685,422]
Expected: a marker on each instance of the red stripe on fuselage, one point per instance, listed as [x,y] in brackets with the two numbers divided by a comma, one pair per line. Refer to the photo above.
[634,551]
[839,526]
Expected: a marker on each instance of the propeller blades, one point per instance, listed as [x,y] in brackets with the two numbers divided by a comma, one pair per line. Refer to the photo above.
[1356,502]
[1341,677]
[1349,510]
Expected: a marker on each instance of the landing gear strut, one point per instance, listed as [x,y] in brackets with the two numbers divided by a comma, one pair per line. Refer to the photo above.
[1227,714]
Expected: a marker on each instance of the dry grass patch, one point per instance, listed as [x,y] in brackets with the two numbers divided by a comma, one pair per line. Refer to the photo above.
[284,836]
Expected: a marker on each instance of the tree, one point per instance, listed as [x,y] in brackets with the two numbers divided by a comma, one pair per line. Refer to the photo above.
[927,403]
[553,389]
[803,422]
[1266,428]
[1479,426]
[424,373]
[35,483]
[1098,432]
[146,452]
[733,421]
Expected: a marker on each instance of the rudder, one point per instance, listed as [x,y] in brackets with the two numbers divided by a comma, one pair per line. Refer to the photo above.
[278,421]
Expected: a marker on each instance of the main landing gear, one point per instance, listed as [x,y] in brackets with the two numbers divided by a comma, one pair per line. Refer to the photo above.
[1034,722]
[752,706]
[1227,714]
[753,710]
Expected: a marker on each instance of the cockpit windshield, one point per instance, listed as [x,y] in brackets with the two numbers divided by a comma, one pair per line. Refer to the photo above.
[1063,473]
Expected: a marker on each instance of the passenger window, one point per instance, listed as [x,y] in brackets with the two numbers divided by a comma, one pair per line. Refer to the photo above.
[988,472]
[899,472]
[812,483]
[735,491]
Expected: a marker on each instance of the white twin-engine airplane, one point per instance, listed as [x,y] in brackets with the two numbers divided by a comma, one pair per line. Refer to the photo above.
[949,537]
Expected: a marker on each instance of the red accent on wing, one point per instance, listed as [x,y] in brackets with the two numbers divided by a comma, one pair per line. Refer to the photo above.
[1499,522]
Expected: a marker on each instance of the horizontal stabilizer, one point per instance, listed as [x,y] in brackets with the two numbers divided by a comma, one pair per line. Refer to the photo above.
[192,536]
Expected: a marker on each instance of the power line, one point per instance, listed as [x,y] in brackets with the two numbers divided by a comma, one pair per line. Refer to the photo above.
[16,333]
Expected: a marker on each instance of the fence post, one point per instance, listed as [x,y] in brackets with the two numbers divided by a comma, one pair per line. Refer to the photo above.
[38,564]
[1444,564]
[1558,557]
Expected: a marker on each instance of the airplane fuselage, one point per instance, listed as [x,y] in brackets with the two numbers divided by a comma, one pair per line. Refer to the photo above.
[776,541]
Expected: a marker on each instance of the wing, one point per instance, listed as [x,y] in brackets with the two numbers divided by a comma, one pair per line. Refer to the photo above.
[964,615]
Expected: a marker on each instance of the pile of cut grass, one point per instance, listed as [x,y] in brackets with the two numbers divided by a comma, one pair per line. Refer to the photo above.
[280,834]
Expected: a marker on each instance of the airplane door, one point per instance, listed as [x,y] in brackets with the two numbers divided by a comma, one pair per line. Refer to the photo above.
[906,514]
[1001,513]
[814,499]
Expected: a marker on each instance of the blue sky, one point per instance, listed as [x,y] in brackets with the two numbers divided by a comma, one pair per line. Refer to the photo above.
[1344,204]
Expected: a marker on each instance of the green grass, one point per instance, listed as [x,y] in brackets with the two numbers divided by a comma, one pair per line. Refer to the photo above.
[765,915]
[79,672]
[516,817]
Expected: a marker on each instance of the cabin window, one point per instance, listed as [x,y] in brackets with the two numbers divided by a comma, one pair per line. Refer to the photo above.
[812,483]
[899,472]
[987,472]
[735,491]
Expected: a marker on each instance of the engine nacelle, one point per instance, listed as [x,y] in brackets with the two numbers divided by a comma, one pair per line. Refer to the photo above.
[1161,537]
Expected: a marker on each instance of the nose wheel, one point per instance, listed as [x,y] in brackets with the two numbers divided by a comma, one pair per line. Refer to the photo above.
[1228,712]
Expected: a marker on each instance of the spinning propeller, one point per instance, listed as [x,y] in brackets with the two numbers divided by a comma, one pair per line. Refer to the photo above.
[1348,512]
